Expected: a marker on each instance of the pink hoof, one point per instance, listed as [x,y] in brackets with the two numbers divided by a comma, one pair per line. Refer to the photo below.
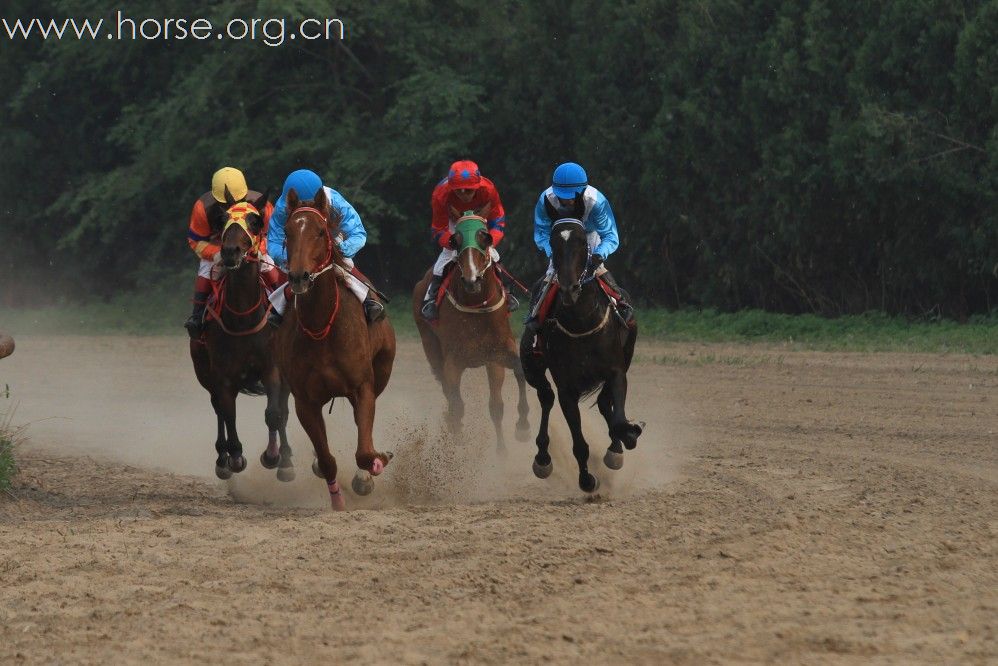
[336,497]
[377,467]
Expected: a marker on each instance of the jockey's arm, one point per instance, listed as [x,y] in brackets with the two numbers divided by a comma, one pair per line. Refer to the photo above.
[440,227]
[275,234]
[542,227]
[351,226]
[605,224]
[199,234]
[497,216]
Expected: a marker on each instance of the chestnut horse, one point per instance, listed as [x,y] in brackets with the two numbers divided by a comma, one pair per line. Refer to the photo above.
[234,353]
[473,329]
[586,347]
[325,347]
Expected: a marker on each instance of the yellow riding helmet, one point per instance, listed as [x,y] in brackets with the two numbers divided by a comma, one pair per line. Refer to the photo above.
[228,178]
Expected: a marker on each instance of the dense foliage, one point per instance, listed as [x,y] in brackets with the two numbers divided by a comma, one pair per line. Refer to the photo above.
[821,156]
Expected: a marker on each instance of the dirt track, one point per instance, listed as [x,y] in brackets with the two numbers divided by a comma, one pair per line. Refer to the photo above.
[782,506]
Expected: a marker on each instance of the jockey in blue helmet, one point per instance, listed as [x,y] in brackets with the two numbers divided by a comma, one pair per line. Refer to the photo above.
[351,239]
[568,182]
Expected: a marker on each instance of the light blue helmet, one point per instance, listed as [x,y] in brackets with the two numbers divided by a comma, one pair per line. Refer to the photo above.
[568,180]
[306,184]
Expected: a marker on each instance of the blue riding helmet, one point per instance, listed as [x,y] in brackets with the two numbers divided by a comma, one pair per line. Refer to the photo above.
[305,182]
[568,180]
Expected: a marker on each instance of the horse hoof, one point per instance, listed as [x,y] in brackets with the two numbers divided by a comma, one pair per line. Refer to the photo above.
[362,483]
[589,485]
[523,432]
[223,472]
[543,471]
[237,463]
[628,434]
[285,474]
[269,463]
[316,470]
[613,460]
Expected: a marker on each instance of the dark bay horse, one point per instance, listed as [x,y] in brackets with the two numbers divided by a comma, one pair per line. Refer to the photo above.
[325,347]
[234,354]
[586,347]
[473,329]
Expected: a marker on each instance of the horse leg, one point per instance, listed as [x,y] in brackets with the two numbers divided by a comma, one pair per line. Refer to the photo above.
[227,401]
[222,461]
[285,467]
[580,449]
[451,381]
[621,428]
[310,416]
[369,461]
[497,374]
[535,373]
[614,458]
[271,456]
[522,408]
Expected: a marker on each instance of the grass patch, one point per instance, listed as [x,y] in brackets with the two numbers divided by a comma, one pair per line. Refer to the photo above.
[162,312]
[8,437]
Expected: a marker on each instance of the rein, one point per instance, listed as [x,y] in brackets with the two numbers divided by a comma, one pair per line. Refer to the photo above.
[221,305]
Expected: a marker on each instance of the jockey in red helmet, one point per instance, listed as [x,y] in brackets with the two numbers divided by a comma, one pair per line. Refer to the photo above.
[464,188]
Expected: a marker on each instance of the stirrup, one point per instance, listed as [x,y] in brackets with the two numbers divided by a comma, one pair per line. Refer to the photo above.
[373,310]
[430,311]
[194,327]
[512,303]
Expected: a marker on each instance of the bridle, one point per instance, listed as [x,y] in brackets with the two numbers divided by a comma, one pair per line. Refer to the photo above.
[237,214]
[326,265]
[589,272]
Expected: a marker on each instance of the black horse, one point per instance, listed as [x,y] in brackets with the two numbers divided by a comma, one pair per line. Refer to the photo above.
[586,346]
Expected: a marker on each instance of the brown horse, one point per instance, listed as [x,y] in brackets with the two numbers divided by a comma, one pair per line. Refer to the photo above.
[325,347]
[6,345]
[234,353]
[473,329]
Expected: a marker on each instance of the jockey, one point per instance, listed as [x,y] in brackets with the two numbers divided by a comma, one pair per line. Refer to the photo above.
[351,239]
[205,237]
[464,188]
[570,180]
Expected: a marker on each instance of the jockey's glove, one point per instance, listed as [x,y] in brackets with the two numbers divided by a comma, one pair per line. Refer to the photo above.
[596,260]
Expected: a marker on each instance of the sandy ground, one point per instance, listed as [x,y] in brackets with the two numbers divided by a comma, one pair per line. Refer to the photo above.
[781,507]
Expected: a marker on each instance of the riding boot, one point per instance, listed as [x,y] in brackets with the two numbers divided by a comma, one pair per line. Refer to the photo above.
[512,302]
[195,323]
[373,309]
[624,308]
[532,322]
[430,310]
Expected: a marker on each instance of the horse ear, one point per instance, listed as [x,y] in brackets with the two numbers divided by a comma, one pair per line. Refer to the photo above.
[261,201]
[454,213]
[321,202]
[292,199]
[552,213]
[228,196]
[579,207]
[484,210]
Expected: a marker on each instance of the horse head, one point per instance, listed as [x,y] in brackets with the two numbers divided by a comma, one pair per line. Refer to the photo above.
[473,243]
[569,249]
[310,233]
[241,231]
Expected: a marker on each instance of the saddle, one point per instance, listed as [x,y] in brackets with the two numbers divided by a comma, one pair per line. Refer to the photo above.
[552,293]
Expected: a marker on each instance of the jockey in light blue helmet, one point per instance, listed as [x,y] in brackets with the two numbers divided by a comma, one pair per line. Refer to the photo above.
[351,239]
[568,182]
